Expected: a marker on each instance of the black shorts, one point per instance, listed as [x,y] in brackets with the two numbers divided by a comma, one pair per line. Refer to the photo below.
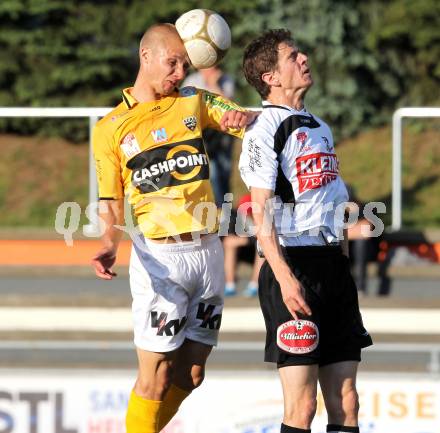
[334,332]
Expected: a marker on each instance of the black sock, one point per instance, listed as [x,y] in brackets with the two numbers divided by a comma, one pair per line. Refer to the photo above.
[335,428]
[287,429]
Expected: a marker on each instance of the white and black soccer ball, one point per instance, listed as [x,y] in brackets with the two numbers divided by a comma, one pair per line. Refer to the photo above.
[206,36]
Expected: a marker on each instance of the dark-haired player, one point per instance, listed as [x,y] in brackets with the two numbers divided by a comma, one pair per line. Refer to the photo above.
[307,295]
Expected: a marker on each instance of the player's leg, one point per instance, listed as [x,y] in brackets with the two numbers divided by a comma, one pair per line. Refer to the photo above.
[294,345]
[338,385]
[299,384]
[153,381]
[188,374]
[204,318]
[231,243]
[159,309]
[344,336]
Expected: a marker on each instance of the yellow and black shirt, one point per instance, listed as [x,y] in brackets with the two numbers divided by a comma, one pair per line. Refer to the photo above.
[153,152]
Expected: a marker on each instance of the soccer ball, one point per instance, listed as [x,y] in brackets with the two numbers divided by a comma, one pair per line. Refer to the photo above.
[206,36]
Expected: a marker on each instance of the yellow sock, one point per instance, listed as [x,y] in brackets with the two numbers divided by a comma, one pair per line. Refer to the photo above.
[142,415]
[170,405]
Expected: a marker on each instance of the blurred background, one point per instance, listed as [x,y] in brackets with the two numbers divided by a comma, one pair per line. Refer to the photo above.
[66,358]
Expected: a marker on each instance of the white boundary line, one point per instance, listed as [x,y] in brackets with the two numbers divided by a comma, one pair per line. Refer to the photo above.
[242,320]
[233,346]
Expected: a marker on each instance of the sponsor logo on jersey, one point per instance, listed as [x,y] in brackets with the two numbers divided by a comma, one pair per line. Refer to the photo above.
[169,165]
[187,91]
[130,145]
[164,326]
[327,144]
[159,135]
[117,116]
[298,336]
[216,101]
[190,122]
[316,170]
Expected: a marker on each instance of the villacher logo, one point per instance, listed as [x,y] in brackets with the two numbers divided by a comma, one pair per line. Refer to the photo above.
[298,336]
[169,165]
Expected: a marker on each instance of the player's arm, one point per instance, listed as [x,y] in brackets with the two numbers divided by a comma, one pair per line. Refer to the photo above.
[262,213]
[111,202]
[224,115]
[237,120]
[259,170]
[111,214]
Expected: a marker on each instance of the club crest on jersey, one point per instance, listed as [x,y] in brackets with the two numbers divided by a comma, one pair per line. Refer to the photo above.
[159,135]
[130,145]
[298,336]
[190,122]
[187,91]
[301,137]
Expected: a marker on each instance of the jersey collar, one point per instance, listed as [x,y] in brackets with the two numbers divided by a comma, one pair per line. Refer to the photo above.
[267,104]
[128,99]
[157,106]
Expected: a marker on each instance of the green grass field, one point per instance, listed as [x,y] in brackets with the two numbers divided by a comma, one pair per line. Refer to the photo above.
[38,174]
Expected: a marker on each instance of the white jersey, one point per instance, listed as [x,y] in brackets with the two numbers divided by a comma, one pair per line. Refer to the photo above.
[292,153]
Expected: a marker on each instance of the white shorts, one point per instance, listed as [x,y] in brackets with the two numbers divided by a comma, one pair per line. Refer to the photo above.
[177,292]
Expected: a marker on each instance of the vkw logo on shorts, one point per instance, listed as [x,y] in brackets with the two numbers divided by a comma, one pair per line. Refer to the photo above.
[207,316]
[169,328]
[298,336]
[190,122]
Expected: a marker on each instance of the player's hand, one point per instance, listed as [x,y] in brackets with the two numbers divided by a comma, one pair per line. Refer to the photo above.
[291,292]
[234,119]
[251,116]
[103,261]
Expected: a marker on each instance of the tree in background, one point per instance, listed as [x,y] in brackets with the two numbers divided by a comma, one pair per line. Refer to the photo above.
[368,57]
[405,37]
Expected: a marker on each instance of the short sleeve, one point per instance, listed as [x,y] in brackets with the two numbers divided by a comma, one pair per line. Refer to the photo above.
[108,166]
[258,161]
[213,107]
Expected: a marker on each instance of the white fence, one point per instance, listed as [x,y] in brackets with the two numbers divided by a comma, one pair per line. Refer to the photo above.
[397,156]
[95,113]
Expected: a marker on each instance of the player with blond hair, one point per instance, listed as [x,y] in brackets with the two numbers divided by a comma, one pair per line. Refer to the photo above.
[150,148]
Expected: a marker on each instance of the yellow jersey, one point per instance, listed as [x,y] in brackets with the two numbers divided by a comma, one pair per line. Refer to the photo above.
[153,153]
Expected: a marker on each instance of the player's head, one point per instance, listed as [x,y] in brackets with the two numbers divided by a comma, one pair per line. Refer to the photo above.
[273,61]
[163,58]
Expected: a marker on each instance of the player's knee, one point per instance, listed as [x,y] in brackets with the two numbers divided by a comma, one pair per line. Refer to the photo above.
[197,377]
[301,413]
[344,408]
[189,379]
[350,404]
[155,386]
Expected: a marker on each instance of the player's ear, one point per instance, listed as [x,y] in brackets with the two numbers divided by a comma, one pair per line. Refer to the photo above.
[144,55]
[271,78]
